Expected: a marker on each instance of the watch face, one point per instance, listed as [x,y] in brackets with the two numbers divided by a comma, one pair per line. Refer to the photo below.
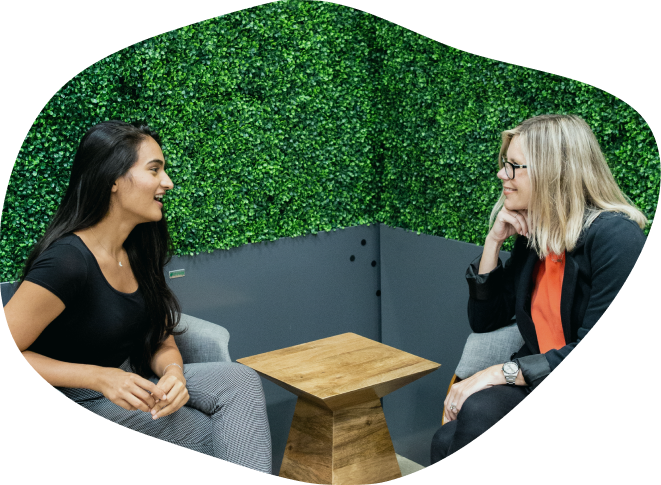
[510,367]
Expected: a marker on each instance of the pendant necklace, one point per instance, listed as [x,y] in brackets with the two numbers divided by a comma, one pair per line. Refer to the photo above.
[104,248]
[559,259]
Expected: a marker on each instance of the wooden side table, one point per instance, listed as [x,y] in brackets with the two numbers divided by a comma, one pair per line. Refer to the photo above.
[339,433]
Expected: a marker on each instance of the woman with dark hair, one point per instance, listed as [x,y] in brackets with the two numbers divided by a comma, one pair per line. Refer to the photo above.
[577,239]
[94,316]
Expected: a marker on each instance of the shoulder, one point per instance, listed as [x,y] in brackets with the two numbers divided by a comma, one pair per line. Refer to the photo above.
[62,269]
[615,219]
[65,256]
[614,226]
[613,234]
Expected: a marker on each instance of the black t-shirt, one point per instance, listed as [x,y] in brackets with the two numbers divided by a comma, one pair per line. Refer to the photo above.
[99,325]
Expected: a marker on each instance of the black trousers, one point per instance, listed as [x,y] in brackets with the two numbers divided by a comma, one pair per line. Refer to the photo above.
[479,413]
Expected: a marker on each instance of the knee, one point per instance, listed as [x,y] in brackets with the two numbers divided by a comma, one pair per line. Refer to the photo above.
[249,376]
[440,443]
[244,377]
[214,385]
[475,407]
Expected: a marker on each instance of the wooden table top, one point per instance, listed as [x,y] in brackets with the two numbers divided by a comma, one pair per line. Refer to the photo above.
[340,370]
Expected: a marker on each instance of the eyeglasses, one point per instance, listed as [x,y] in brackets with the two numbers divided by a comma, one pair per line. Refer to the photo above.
[510,168]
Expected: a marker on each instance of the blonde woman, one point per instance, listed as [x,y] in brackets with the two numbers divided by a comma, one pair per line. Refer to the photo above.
[577,239]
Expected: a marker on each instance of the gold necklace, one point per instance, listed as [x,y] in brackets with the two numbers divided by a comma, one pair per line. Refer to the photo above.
[560,257]
[104,248]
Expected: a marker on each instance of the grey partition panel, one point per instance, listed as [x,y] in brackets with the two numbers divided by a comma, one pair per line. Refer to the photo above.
[295,290]
[7,291]
[423,311]
[282,293]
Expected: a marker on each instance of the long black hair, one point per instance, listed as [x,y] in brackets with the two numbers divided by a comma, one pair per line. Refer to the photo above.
[106,152]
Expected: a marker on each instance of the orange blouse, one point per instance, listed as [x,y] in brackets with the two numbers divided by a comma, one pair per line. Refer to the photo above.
[545,309]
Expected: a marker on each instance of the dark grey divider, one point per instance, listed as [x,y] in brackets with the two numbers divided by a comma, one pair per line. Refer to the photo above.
[423,311]
[282,293]
[6,290]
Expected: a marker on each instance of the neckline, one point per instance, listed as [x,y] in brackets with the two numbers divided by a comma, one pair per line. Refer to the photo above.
[557,258]
[98,267]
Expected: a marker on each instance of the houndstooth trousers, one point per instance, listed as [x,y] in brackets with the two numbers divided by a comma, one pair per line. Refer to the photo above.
[225,416]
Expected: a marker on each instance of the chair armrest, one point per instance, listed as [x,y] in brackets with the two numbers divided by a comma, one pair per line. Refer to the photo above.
[483,350]
[202,341]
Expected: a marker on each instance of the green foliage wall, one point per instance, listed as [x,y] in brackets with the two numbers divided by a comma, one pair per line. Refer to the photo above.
[443,136]
[297,117]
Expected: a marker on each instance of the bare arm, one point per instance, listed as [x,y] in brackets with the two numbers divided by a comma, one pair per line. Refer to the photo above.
[507,224]
[29,312]
[167,354]
[490,255]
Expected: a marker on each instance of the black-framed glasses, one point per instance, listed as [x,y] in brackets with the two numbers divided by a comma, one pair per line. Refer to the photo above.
[510,168]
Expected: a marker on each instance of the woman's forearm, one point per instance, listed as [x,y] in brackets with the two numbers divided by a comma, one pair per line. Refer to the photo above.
[490,254]
[166,355]
[65,374]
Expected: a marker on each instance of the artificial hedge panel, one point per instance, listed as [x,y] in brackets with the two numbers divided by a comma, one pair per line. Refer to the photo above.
[276,146]
[439,175]
[297,117]
[265,116]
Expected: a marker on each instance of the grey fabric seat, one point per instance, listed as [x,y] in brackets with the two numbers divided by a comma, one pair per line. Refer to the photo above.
[483,350]
[203,341]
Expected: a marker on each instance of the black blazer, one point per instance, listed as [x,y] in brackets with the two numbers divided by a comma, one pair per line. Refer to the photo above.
[595,270]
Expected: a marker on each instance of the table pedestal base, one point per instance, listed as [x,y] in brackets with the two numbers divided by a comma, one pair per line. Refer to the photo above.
[351,445]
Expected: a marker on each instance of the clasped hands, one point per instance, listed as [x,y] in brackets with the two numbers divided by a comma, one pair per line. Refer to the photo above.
[132,392]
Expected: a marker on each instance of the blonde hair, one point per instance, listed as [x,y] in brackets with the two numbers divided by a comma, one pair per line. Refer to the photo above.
[571,183]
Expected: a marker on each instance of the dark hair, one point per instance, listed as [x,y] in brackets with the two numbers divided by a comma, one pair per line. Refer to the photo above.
[106,152]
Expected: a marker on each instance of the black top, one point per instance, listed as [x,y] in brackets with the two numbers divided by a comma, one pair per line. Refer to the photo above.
[595,270]
[100,325]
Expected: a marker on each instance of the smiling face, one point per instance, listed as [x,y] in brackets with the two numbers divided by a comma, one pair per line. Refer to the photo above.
[138,194]
[518,190]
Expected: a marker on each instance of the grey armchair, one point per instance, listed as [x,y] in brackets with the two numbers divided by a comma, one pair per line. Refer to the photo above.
[202,341]
[483,350]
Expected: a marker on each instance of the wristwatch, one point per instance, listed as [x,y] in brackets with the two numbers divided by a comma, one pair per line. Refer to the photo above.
[511,370]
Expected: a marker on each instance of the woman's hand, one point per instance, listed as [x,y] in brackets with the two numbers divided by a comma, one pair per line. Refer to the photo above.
[508,223]
[173,383]
[459,392]
[128,390]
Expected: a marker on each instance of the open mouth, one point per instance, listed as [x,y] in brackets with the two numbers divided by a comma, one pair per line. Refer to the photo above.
[159,198]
